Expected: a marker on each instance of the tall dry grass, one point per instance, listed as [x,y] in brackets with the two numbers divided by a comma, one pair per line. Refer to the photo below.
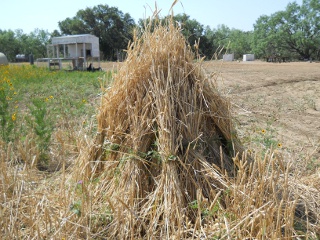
[166,164]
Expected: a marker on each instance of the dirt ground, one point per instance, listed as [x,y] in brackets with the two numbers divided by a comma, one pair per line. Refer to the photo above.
[281,98]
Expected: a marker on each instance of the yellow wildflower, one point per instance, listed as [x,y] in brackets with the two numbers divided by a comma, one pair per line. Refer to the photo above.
[13,117]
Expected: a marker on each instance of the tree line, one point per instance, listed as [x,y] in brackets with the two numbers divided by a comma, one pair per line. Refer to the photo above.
[293,33]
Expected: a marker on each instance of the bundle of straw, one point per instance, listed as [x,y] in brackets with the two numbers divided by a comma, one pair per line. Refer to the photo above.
[162,126]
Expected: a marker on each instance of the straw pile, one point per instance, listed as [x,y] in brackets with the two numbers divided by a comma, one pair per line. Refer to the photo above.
[162,127]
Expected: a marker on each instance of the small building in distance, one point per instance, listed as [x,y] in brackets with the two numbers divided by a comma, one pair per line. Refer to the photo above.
[80,49]
[3,59]
[228,57]
[248,57]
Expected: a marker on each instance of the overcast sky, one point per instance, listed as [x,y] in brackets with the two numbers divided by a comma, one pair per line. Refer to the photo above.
[240,14]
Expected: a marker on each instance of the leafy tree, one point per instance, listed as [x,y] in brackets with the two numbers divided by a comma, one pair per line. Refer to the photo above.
[190,28]
[263,43]
[35,43]
[292,32]
[225,40]
[219,39]
[207,45]
[240,42]
[111,26]
[222,35]
[9,44]
[55,33]
[17,42]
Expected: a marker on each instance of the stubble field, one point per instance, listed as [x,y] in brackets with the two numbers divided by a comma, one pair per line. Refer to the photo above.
[282,99]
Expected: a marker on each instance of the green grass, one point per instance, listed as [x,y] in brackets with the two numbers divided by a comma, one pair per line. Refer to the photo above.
[70,88]
[35,100]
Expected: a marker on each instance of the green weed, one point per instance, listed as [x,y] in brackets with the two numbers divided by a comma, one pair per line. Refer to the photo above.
[42,126]
[7,116]
[263,139]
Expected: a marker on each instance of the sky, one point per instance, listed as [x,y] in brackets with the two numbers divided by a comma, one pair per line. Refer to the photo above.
[29,15]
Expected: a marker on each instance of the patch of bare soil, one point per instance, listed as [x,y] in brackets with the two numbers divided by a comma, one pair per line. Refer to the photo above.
[282,97]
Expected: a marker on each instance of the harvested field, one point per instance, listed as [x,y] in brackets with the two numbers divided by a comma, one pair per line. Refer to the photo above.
[285,97]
